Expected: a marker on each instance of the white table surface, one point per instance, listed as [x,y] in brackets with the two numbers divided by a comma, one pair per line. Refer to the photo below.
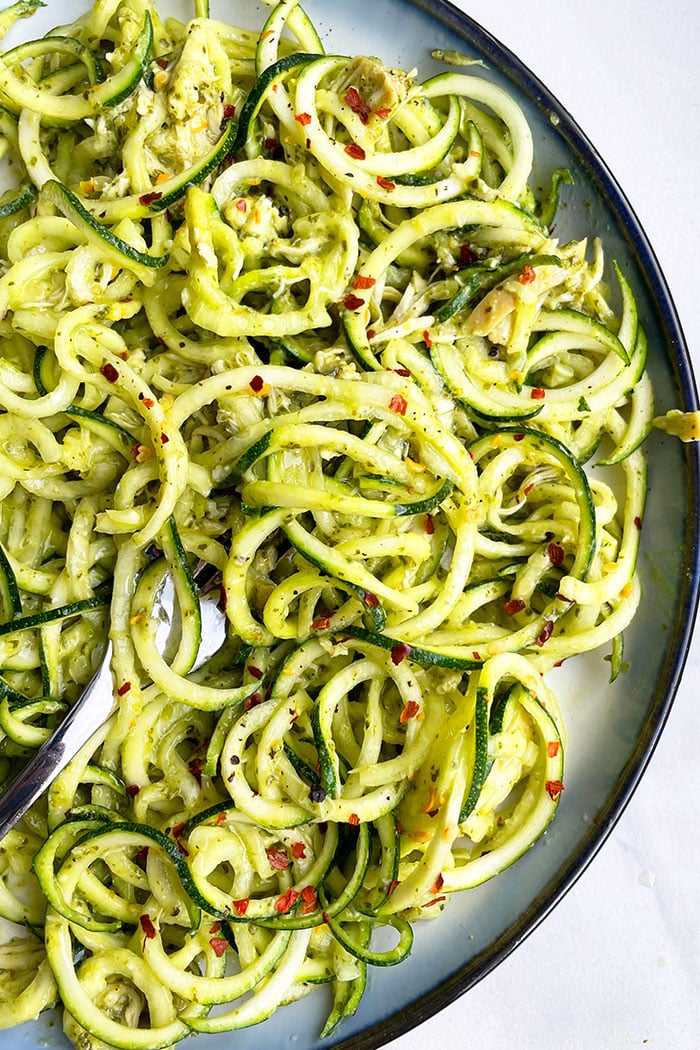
[617,964]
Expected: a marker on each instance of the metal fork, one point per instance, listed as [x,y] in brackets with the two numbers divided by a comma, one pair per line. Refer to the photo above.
[94,707]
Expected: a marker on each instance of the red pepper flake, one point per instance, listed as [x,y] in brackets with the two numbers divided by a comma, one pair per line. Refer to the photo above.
[164,439]
[546,633]
[132,790]
[429,525]
[426,339]
[554,788]
[218,945]
[298,850]
[399,827]
[321,623]
[308,896]
[286,902]
[150,198]
[410,710]
[109,372]
[363,283]
[435,900]
[398,655]
[254,672]
[142,855]
[398,404]
[370,600]
[518,437]
[438,884]
[355,151]
[385,183]
[357,104]
[353,302]
[466,255]
[241,206]
[405,372]
[527,276]
[123,689]
[252,701]
[515,605]
[382,112]
[638,523]
[221,818]
[147,926]
[392,886]
[556,554]
[353,819]
[270,143]
[196,768]
[267,35]
[256,384]
[537,393]
[162,63]
[552,748]
[241,906]
[148,402]
[475,655]
[278,858]
[303,119]
[229,111]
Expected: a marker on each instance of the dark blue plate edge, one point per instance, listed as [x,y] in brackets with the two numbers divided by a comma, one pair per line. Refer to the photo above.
[681,630]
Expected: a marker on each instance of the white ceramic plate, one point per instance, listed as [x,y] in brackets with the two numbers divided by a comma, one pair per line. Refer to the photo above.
[612,730]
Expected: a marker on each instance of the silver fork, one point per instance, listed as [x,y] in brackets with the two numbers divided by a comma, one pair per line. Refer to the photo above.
[94,707]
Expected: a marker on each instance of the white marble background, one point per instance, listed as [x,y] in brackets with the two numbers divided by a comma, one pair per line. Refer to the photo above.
[617,964]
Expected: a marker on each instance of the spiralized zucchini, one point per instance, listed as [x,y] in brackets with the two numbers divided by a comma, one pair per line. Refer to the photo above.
[298,317]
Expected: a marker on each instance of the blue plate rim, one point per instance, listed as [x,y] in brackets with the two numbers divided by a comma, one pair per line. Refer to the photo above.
[528,84]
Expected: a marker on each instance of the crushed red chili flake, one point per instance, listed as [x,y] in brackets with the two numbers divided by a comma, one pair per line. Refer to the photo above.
[132,790]
[241,205]
[252,701]
[638,523]
[150,198]
[270,143]
[310,903]
[256,384]
[546,633]
[353,819]
[527,276]
[466,255]
[142,855]
[278,858]
[386,184]
[148,402]
[363,283]
[435,900]
[303,118]
[162,63]
[353,302]
[164,439]
[147,926]
[410,710]
[553,748]
[515,605]
[218,945]
[221,818]
[382,112]
[370,600]
[475,655]
[518,437]
[254,672]
[556,554]
[537,393]
[123,689]
[355,151]
[298,850]
[241,906]
[392,886]
[398,404]
[405,372]
[196,768]
[399,653]
[177,830]
[357,104]
[321,623]
[229,111]
[429,525]
[554,788]
[286,902]
[371,333]
[426,339]
[109,372]
[438,884]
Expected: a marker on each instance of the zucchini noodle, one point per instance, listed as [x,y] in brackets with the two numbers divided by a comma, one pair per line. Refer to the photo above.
[297,317]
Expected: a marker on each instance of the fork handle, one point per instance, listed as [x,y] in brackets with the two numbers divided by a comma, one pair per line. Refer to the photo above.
[84,718]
